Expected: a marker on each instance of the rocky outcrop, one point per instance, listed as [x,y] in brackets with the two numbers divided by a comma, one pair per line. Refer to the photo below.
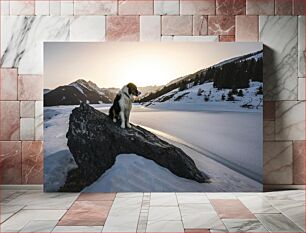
[95,141]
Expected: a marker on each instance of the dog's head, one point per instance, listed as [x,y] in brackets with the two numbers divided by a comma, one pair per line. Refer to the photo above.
[133,89]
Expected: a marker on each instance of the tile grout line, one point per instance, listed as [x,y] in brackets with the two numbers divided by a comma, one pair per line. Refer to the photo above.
[143,216]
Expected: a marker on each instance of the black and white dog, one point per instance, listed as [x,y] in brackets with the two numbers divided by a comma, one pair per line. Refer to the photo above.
[122,105]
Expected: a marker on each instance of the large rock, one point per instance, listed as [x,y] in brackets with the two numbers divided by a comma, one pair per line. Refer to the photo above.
[95,141]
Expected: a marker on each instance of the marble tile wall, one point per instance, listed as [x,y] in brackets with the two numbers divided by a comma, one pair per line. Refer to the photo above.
[26,24]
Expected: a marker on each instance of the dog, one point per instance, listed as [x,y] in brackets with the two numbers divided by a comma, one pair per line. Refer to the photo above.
[122,104]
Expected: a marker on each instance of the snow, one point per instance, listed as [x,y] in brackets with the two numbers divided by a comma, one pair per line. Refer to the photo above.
[77,86]
[124,176]
[190,99]
[57,158]
[232,138]
[256,57]
[226,145]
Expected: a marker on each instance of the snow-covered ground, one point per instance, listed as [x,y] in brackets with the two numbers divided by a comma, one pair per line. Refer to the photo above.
[222,143]
[58,160]
[192,99]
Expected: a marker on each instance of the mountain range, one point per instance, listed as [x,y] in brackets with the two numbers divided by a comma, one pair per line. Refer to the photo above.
[84,91]
[88,92]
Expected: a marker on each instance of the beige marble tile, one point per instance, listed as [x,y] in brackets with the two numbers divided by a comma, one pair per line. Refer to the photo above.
[177,25]
[107,7]
[9,120]
[203,7]
[10,154]
[269,130]
[260,7]
[8,87]
[135,7]
[278,163]
[22,7]
[30,87]
[246,28]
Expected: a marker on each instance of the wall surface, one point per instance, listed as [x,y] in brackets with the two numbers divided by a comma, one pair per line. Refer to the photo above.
[279,24]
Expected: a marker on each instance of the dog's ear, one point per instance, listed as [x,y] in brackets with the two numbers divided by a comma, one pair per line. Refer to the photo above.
[132,88]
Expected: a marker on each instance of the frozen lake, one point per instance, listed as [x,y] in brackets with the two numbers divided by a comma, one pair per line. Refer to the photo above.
[225,145]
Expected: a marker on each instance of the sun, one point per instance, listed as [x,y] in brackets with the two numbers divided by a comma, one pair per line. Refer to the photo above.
[144,70]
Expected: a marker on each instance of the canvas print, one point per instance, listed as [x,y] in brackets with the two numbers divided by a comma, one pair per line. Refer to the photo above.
[153,117]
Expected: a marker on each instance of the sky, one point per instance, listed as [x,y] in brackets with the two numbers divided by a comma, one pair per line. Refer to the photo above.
[114,64]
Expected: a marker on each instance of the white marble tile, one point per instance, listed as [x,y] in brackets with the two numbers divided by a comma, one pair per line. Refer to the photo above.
[203,211]
[191,38]
[22,40]
[55,8]
[199,198]
[40,200]
[42,7]
[20,219]
[39,226]
[277,223]
[6,198]
[6,193]
[129,195]
[162,213]
[189,209]
[150,28]
[27,131]
[294,195]
[301,46]
[122,219]
[87,28]
[163,199]
[294,210]
[39,120]
[242,225]
[165,226]
[257,205]
[27,109]
[78,229]
[301,89]
[5,7]
[278,163]
[279,35]
[124,214]
[164,7]
[135,201]
[207,220]
[66,7]
[9,210]
[290,120]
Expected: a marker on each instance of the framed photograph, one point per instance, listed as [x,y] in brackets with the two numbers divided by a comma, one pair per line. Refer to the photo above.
[153,117]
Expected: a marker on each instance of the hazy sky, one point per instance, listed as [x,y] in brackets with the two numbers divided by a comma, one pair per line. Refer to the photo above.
[114,64]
